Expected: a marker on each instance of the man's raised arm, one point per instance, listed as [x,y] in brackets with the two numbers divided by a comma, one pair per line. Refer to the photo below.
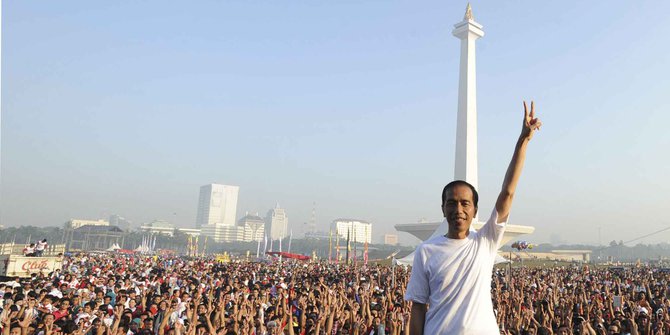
[530,125]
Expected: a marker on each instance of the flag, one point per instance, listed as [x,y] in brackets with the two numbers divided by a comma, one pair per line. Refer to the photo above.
[348,244]
[355,246]
[337,249]
[365,248]
[188,245]
[330,245]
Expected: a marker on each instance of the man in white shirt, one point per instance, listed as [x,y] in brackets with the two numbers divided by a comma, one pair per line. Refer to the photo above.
[40,247]
[452,273]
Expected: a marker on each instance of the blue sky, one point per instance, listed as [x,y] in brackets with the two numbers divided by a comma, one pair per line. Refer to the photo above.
[128,107]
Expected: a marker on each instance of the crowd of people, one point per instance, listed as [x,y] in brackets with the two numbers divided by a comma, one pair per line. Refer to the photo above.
[135,295]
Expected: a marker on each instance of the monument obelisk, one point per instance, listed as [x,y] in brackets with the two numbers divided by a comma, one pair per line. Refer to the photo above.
[465,164]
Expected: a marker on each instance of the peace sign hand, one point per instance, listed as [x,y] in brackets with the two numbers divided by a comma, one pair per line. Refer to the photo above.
[530,122]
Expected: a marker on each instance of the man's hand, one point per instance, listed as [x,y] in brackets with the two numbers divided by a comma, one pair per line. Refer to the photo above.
[504,202]
[530,122]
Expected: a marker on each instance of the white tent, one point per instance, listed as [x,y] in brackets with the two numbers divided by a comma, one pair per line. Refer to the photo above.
[114,247]
[441,230]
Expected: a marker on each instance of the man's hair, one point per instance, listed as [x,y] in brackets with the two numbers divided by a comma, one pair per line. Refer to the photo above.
[475,195]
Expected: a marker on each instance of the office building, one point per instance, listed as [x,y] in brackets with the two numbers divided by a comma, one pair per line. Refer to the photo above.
[358,230]
[76,223]
[391,239]
[217,208]
[161,227]
[276,223]
[253,226]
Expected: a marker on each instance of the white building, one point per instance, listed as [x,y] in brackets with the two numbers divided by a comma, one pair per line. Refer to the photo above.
[76,223]
[159,227]
[119,221]
[189,231]
[276,223]
[360,231]
[217,208]
[254,227]
[468,31]
[391,239]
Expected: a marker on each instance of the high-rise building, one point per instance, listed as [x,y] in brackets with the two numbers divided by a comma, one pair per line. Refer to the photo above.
[357,230]
[391,239]
[217,205]
[276,223]
[254,227]
[217,209]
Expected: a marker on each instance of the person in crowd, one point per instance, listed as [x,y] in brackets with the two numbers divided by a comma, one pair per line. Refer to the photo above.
[29,250]
[451,273]
[172,295]
[40,247]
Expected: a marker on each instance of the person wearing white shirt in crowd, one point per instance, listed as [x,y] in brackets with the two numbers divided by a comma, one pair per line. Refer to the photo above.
[40,247]
[450,284]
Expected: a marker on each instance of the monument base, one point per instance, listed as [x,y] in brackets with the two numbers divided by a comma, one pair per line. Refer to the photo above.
[423,231]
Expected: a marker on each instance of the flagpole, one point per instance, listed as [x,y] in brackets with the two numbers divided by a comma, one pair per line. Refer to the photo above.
[280,238]
[258,248]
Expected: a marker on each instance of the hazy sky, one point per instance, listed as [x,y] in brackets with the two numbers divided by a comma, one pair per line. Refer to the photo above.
[128,107]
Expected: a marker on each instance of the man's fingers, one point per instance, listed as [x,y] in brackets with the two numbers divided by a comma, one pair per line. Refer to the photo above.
[525,111]
[532,109]
[537,125]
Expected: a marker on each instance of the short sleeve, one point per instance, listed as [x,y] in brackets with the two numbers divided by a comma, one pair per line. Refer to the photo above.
[493,231]
[418,289]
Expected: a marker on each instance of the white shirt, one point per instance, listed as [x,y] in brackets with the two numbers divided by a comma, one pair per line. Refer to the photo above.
[41,246]
[453,277]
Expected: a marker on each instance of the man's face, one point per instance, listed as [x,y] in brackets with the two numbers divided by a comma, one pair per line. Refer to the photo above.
[459,208]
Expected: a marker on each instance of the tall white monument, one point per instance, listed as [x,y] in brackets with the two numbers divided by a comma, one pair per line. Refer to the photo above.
[465,166]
